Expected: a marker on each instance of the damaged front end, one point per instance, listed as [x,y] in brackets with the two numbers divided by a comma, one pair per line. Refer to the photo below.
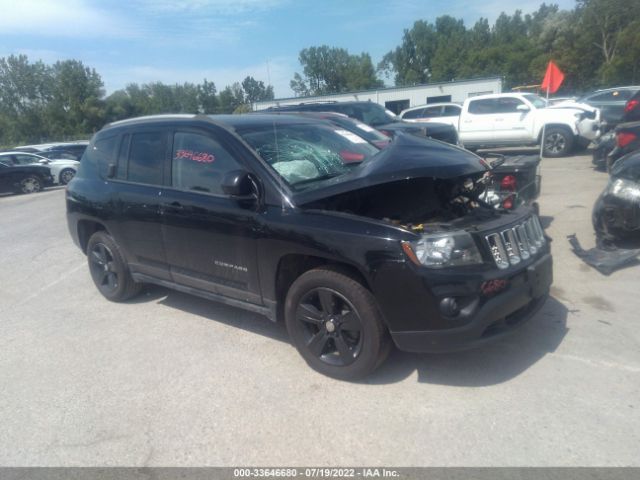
[470,271]
[616,213]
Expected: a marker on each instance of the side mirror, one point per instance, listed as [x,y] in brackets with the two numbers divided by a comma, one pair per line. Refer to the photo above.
[240,185]
[111,170]
[523,108]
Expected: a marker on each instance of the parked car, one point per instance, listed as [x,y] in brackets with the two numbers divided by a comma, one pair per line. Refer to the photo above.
[363,130]
[271,213]
[515,181]
[627,141]
[59,155]
[23,179]
[603,147]
[632,109]
[611,103]
[515,119]
[435,112]
[75,148]
[616,213]
[378,117]
[62,170]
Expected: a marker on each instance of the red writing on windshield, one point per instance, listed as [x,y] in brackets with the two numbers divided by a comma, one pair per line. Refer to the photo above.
[202,157]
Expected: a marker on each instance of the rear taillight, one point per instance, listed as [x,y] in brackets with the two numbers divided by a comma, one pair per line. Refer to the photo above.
[631,105]
[509,183]
[387,133]
[625,138]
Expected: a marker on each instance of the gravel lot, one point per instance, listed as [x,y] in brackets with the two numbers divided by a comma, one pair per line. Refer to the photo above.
[169,379]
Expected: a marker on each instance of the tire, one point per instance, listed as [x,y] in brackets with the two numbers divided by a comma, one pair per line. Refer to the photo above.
[335,324]
[558,142]
[30,184]
[66,176]
[108,269]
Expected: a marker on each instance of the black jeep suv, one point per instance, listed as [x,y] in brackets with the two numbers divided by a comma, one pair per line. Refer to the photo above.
[299,219]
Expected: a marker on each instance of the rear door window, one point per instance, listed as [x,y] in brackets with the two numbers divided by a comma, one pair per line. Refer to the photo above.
[451,111]
[484,107]
[433,112]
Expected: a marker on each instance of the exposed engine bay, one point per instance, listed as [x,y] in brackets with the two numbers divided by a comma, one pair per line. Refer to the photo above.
[415,203]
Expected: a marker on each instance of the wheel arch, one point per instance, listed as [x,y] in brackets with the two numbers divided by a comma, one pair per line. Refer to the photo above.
[562,126]
[291,266]
[86,228]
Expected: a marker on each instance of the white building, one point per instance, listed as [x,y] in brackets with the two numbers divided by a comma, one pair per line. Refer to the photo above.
[397,99]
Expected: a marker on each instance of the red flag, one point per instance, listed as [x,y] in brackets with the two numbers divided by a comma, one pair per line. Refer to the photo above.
[553,78]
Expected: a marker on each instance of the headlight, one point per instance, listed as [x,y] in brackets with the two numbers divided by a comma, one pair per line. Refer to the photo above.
[625,189]
[443,250]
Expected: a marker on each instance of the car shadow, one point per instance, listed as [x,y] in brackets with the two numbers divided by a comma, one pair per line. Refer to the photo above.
[492,364]
[215,311]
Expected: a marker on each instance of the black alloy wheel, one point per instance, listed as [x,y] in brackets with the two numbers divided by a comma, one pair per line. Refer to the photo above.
[331,326]
[335,323]
[109,271]
[103,269]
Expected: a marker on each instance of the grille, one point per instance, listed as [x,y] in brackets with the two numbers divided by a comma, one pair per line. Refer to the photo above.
[511,246]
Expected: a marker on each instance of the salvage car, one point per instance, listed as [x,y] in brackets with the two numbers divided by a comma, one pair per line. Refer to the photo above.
[515,181]
[616,214]
[363,130]
[301,220]
[632,109]
[627,140]
[516,119]
[62,169]
[611,103]
[23,179]
[378,117]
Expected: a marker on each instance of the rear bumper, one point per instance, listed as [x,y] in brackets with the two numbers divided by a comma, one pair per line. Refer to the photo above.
[498,317]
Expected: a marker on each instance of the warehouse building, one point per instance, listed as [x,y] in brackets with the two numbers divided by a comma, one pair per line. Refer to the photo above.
[397,99]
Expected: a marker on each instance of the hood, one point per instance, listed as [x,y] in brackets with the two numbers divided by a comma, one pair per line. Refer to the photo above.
[570,104]
[406,157]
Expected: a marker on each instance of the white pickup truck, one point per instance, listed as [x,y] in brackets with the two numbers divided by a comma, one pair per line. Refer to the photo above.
[517,119]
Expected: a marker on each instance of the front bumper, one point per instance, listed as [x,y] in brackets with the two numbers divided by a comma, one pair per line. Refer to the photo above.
[589,129]
[496,318]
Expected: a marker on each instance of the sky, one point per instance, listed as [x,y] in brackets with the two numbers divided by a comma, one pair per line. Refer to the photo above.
[177,41]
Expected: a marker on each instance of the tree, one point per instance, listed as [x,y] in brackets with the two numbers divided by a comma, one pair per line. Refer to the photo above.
[207,99]
[255,91]
[75,104]
[602,24]
[231,98]
[25,90]
[333,70]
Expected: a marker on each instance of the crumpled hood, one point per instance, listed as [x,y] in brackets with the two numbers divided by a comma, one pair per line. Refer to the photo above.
[406,157]
[570,104]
